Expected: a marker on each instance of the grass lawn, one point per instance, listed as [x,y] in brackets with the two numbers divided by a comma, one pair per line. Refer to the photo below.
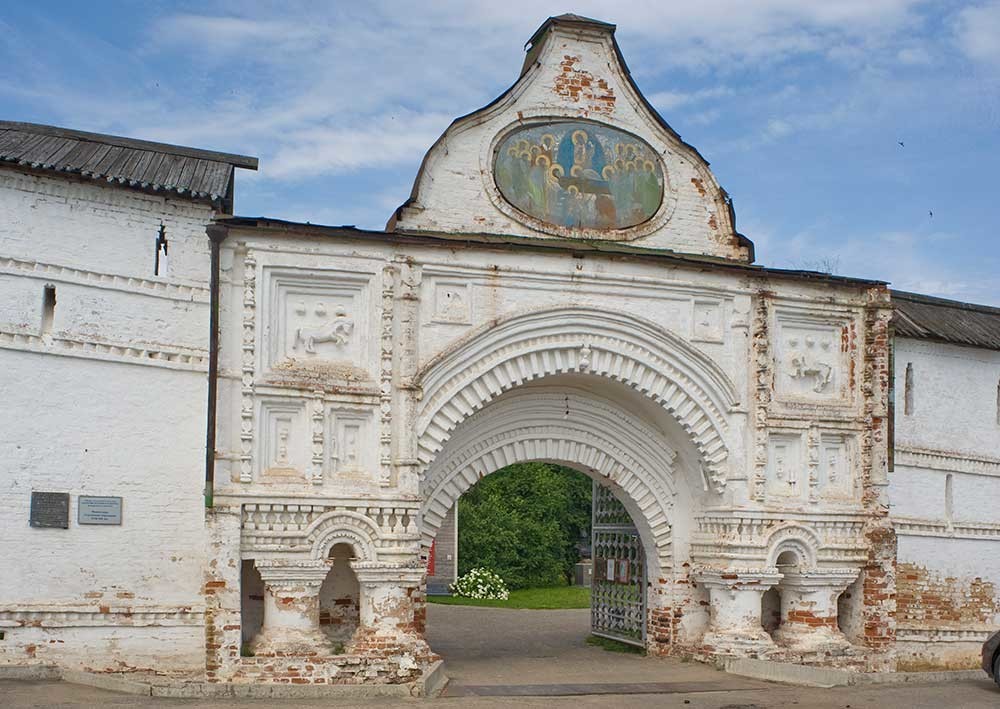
[538,598]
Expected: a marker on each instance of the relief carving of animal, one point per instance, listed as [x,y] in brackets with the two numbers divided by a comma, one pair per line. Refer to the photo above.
[803,367]
[337,331]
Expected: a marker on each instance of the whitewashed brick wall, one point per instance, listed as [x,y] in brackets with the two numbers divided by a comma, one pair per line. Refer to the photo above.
[944,494]
[110,402]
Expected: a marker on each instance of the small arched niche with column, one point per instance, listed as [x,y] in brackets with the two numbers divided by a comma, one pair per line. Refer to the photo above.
[340,596]
[806,595]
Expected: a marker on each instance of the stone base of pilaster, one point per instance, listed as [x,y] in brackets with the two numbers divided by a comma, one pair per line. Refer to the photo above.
[292,642]
[739,644]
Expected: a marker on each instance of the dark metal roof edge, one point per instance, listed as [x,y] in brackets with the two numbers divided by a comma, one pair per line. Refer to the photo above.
[944,302]
[103,180]
[530,242]
[243,161]
[570,19]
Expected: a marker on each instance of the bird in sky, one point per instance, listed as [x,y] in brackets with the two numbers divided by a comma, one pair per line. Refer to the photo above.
[900,143]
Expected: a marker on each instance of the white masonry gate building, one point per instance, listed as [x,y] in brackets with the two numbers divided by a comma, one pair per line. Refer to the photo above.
[229,444]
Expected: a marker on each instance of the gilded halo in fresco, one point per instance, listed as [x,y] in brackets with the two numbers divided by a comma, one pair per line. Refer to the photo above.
[579,175]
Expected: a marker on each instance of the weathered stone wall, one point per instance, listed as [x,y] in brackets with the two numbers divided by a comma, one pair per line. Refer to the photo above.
[944,490]
[107,400]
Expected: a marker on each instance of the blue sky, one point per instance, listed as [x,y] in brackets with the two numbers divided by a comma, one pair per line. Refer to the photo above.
[799,105]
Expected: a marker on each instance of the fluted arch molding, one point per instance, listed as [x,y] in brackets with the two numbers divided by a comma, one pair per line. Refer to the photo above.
[338,526]
[803,541]
[598,438]
[531,345]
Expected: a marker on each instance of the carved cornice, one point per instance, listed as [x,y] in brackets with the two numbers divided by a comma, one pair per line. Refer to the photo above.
[948,461]
[170,290]
[737,579]
[190,359]
[79,616]
[914,527]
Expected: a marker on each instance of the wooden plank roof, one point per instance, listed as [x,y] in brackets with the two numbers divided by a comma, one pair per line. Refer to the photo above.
[139,164]
[923,317]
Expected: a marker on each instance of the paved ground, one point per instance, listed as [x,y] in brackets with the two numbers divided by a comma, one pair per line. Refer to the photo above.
[512,648]
[510,652]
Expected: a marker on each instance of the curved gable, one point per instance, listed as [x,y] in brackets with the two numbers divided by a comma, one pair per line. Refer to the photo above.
[572,151]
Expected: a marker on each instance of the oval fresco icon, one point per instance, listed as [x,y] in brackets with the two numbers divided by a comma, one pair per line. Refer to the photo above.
[580,175]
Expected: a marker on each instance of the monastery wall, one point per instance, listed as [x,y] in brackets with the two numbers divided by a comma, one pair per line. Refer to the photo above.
[944,495]
[103,395]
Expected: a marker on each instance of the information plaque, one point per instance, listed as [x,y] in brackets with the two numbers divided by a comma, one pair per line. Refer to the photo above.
[99,510]
[49,509]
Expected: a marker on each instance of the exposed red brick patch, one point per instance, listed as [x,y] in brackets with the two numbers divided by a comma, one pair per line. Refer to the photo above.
[924,597]
[580,85]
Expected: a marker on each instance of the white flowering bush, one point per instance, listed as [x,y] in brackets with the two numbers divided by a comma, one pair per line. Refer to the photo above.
[481,583]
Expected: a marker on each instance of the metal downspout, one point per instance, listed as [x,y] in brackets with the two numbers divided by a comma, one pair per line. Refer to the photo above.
[216,235]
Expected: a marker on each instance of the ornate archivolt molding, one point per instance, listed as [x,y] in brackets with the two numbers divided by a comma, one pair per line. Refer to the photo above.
[572,428]
[797,538]
[530,346]
[194,360]
[109,281]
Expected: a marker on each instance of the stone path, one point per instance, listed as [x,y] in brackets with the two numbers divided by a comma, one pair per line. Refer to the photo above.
[504,652]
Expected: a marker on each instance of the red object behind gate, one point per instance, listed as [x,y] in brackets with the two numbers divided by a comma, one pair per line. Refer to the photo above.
[430,559]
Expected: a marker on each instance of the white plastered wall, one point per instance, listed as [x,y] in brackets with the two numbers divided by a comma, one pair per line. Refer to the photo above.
[110,402]
[944,493]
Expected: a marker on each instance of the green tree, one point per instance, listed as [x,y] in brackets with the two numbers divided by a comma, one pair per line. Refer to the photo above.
[524,522]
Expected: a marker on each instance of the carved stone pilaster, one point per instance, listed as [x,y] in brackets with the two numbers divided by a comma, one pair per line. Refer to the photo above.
[812,462]
[318,429]
[809,609]
[247,367]
[386,378]
[291,608]
[763,386]
[735,604]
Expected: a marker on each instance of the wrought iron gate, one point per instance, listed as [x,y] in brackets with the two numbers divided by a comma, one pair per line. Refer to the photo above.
[618,585]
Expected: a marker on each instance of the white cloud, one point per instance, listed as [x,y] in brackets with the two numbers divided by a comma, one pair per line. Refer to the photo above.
[668,100]
[387,141]
[977,31]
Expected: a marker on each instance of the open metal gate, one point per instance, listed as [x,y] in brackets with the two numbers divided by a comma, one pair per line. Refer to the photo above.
[618,586]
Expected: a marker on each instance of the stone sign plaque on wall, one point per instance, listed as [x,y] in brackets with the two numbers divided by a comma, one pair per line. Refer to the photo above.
[99,510]
[49,509]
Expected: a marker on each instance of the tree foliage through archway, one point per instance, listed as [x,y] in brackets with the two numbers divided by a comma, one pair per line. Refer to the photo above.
[525,523]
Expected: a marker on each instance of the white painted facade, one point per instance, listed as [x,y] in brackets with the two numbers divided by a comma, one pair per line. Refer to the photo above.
[108,400]
[945,497]
[367,379]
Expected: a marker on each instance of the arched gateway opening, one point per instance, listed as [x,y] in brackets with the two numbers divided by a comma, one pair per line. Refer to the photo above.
[635,408]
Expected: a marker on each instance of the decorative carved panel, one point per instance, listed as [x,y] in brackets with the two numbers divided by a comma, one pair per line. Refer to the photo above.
[811,363]
[786,474]
[285,444]
[316,317]
[836,475]
[452,302]
[707,321]
[351,449]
